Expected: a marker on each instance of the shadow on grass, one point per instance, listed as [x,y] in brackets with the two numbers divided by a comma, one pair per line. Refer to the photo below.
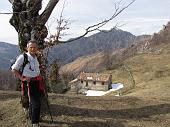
[8,96]
[105,118]
[143,112]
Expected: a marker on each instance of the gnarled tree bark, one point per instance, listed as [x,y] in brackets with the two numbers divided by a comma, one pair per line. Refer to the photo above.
[29,24]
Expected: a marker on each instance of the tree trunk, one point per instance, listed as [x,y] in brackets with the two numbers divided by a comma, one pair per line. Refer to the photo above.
[30,25]
[27,21]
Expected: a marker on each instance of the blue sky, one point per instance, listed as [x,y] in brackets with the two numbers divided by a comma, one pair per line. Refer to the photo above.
[142,17]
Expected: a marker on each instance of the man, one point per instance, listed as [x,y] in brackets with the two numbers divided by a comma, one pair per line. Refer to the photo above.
[32,79]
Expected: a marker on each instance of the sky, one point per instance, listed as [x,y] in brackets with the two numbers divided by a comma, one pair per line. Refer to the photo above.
[142,17]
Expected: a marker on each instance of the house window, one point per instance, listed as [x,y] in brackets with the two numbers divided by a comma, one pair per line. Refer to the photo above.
[102,83]
[94,82]
[82,82]
[86,83]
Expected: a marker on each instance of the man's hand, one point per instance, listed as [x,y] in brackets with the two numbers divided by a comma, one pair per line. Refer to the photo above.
[25,79]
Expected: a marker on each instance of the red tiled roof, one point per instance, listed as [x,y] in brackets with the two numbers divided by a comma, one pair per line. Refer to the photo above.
[93,77]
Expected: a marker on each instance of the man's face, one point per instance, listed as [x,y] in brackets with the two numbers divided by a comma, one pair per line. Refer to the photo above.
[32,48]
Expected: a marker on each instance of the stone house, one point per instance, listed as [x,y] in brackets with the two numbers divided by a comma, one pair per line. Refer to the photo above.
[91,81]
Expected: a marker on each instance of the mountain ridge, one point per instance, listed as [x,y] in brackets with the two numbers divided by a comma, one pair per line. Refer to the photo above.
[142,44]
[113,39]
[65,53]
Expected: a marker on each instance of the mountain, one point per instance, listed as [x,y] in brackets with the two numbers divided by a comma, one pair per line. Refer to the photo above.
[65,53]
[108,56]
[105,40]
[157,43]
[7,52]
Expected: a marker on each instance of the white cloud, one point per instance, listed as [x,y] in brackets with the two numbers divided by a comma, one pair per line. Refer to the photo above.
[8,33]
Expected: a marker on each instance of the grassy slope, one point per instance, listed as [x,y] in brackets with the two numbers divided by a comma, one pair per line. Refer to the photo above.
[151,72]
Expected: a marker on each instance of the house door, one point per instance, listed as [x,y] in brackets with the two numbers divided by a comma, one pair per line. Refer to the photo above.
[87,84]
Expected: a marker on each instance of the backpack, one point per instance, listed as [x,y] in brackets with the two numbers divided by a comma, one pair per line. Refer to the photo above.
[23,65]
[24,98]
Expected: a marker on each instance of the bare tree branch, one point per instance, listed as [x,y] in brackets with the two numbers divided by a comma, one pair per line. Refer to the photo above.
[114,27]
[11,1]
[6,13]
[48,10]
[59,27]
[62,25]
[99,25]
